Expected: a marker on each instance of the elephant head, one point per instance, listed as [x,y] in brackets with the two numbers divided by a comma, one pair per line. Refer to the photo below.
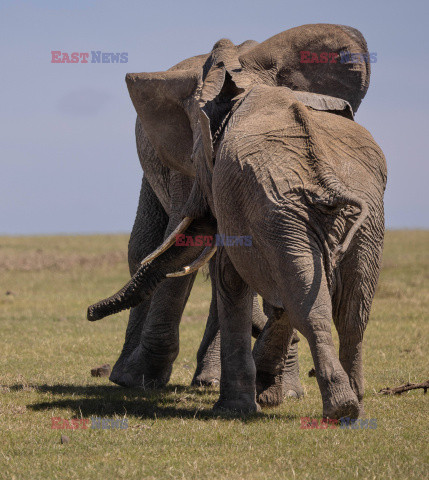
[185,111]
[277,61]
[169,103]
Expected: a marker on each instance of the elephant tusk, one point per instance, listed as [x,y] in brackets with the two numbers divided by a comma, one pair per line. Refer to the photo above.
[205,256]
[169,241]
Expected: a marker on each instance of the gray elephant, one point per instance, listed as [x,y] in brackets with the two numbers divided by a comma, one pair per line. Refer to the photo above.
[164,191]
[231,89]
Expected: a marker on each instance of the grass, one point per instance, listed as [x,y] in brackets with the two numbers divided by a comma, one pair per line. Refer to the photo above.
[48,348]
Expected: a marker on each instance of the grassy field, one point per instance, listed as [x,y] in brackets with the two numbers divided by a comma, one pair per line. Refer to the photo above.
[48,348]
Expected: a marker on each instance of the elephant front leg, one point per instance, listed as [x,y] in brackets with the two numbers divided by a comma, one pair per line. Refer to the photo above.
[208,357]
[151,362]
[292,387]
[148,232]
[234,302]
[291,382]
[132,340]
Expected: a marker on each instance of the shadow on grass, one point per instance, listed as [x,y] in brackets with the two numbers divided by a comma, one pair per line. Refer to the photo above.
[109,389]
[173,401]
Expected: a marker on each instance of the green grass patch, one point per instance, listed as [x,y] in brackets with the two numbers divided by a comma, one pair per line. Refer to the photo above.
[48,349]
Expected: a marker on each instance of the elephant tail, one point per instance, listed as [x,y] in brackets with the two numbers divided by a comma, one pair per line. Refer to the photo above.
[331,202]
[330,193]
[341,248]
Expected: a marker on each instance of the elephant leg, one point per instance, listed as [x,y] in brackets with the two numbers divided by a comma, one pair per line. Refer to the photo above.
[277,366]
[132,339]
[292,386]
[270,352]
[351,312]
[259,317]
[147,233]
[208,356]
[234,302]
[309,309]
[151,362]
[351,360]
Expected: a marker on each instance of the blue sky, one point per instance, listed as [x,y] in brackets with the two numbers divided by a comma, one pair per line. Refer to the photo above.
[68,160]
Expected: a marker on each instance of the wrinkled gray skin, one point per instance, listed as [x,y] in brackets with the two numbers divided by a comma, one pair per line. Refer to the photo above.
[313,176]
[304,181]
[163,194]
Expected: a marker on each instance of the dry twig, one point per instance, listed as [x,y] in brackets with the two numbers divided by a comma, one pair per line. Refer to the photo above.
[405,388]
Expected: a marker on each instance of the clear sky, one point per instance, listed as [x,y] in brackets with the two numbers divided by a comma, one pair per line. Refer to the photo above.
[68,160]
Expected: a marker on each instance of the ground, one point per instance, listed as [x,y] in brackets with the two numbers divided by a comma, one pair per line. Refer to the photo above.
[48,349]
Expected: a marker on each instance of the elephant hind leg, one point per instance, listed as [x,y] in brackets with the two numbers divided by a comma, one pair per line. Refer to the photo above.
[352,306]
[309,309]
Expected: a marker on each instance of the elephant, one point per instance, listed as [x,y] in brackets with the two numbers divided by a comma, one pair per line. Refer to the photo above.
[302,207]
[164,190]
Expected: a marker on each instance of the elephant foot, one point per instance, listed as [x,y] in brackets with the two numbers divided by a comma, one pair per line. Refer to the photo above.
[206,378]
[292,387]
[121,377]
[129,380]
[158,379]
[294,393]
[117,373]
[342,403]
[136,371]
[125,380]
[245,404]
[205,382]
[207,373]
[269,389]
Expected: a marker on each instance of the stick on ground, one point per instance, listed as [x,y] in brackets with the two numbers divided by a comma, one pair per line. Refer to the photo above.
[405,388]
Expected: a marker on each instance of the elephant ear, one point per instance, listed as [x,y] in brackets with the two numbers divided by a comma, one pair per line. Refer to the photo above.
[163,101]
[325,103]
[218,96]
[278,61]
[219,93]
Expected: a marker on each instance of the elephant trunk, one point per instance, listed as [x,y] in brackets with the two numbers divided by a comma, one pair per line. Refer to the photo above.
[130,295]
[156,267]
